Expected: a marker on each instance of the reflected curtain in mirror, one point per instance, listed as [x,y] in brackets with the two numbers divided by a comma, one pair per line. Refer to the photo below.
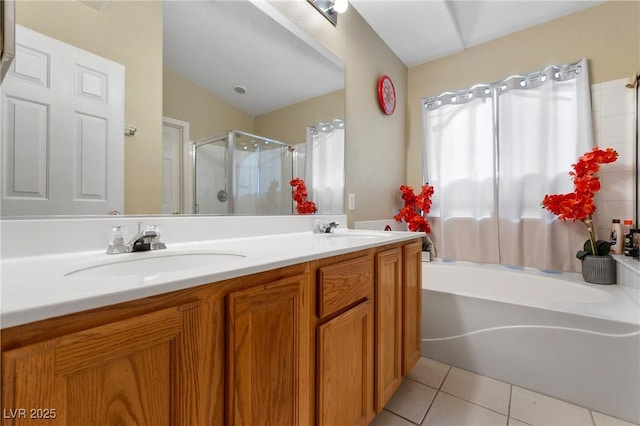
[325,158]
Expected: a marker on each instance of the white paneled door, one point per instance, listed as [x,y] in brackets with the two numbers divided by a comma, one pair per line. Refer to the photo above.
[177,167]
[171,137]
[62,130]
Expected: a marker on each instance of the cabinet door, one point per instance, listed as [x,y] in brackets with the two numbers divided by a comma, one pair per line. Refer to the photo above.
[345,368]
[388,325]
[139,371]
[412,305]
[268,354]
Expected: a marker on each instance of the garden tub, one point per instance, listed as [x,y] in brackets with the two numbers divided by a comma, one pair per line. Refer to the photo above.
[548,332]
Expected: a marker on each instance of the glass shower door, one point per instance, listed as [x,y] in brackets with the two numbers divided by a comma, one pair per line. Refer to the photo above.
[212,178]
[262,172]
[240,173]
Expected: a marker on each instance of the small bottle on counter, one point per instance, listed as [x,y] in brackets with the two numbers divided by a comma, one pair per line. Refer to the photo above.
[616,237]
[628,237]
[635,237]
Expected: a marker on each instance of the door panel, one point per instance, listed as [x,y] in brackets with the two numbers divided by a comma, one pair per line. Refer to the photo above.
[411,306]
[268,354]
[388,298]
[62,114]
[171,170]
[345,368]
[139,371]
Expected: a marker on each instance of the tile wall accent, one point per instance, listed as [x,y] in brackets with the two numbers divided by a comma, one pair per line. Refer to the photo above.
[613,107]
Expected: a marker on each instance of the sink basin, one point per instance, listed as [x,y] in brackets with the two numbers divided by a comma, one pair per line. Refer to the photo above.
[150,264]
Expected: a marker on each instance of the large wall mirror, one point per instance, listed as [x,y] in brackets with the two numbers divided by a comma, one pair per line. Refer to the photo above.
[234,77]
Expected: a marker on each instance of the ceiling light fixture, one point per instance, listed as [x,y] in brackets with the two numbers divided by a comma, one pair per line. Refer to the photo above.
[330,8]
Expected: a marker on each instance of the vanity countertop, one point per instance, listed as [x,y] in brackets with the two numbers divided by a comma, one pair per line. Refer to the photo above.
[36,287]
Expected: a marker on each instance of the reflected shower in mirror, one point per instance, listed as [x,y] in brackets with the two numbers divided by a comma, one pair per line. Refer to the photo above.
[209,66]
[241,173]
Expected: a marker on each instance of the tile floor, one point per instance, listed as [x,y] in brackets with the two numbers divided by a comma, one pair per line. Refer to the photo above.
[436,394]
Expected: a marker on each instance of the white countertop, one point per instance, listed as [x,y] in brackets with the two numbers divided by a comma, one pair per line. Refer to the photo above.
[36,288]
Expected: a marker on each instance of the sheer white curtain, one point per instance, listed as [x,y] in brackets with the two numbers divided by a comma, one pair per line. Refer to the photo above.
[460,166]
[538,125]
[324,156]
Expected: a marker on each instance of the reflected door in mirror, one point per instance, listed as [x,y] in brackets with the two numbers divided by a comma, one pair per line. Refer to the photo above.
[62,130]
[170,169]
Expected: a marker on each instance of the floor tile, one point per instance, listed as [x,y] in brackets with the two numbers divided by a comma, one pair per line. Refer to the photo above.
[447,410]
[481,390]
[537,409]
[411,400]
[514,422]
[386,418]
[429,372]
[604,420]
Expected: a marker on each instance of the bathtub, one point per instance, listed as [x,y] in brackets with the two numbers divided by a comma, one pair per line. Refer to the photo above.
[550,333]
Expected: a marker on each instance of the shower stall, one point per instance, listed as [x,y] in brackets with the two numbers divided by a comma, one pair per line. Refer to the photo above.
[240,173]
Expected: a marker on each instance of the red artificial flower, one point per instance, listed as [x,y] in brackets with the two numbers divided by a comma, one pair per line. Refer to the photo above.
[579,204]
[415,208]
[303,206]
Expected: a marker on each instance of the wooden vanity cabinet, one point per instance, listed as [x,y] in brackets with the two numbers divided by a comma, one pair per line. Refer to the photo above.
[365,351]
[388,324]
[345,341]
[398,300]
[136,371]
[411,305]
[345,368]
[268,354]
[163,360]
[316,343]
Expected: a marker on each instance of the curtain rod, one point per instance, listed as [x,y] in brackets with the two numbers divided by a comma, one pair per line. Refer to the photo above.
[527,81]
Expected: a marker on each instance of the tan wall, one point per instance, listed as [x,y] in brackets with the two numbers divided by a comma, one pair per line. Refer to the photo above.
[375,143]
[138,26]
[608,35]
[290,124]
[206,114]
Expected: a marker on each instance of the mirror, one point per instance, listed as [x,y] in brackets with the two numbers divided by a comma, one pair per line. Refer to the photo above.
[197,69]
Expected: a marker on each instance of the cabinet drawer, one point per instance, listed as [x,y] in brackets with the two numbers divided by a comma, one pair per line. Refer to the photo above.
[344,283]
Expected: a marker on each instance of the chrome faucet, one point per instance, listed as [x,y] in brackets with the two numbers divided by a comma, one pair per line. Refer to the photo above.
[325,227]
[146,240]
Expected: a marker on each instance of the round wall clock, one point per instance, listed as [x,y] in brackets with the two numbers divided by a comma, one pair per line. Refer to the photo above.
[387,94]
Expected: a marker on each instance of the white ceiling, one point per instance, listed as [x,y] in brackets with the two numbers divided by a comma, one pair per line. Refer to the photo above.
[419,31]
[221,44]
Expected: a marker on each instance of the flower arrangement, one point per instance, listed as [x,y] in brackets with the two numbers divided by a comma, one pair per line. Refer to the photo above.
[415,208]
[303,206]
[579,204]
